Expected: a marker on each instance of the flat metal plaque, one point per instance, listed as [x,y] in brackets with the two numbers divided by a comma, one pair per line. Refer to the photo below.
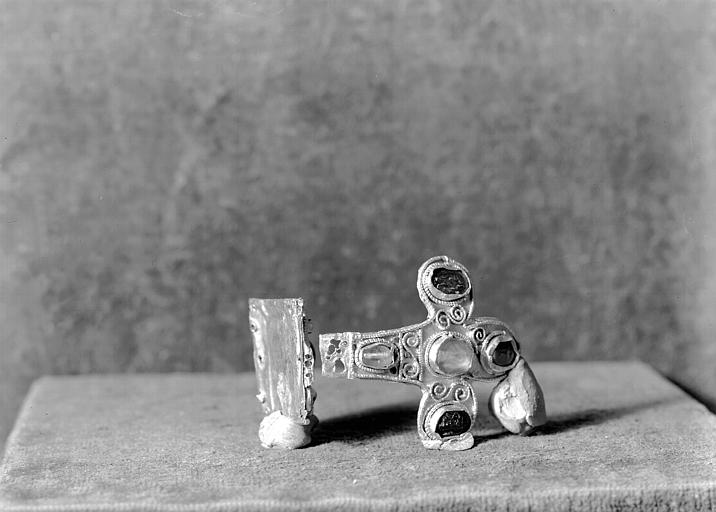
[283,357]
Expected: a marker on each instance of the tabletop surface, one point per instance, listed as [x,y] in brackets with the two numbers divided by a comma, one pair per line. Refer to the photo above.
[618,436]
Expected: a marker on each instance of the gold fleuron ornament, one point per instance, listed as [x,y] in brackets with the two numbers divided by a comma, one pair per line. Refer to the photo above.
[444,356]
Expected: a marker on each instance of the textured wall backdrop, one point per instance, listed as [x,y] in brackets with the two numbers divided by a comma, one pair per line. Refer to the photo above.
[161,162]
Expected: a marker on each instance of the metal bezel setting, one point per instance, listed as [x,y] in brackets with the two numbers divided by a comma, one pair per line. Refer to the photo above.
[433,346]
[436,295]
[490,345]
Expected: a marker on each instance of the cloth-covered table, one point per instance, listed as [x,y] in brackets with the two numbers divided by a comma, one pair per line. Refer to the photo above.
[619,436]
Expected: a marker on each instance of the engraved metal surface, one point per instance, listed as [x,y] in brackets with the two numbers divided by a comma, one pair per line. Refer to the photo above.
[443,355]
[283,357]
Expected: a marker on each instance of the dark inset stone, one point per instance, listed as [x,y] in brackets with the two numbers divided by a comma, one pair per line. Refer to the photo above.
[453,423]
[504,354]
[449,281]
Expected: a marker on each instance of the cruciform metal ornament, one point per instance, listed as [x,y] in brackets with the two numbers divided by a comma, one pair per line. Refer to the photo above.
[445,355]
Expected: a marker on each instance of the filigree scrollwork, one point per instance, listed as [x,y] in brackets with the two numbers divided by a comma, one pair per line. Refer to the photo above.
[457,314]
[410,370]
[439,391]
[460,392]
[411,340]
[409,365]
[457,391]
[409,359]
[442,319]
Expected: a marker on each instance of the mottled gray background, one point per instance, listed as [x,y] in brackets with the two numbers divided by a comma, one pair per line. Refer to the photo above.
[161,162]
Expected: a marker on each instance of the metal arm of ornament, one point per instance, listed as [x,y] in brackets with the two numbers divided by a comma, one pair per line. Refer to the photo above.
[444,356]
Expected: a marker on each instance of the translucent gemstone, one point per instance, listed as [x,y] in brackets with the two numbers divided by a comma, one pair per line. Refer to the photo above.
[378,356]
[449,281]
[454,356]
[453,423]
[504,354]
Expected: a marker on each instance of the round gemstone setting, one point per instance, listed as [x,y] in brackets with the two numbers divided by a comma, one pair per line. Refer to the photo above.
[452,355]
[504,354]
